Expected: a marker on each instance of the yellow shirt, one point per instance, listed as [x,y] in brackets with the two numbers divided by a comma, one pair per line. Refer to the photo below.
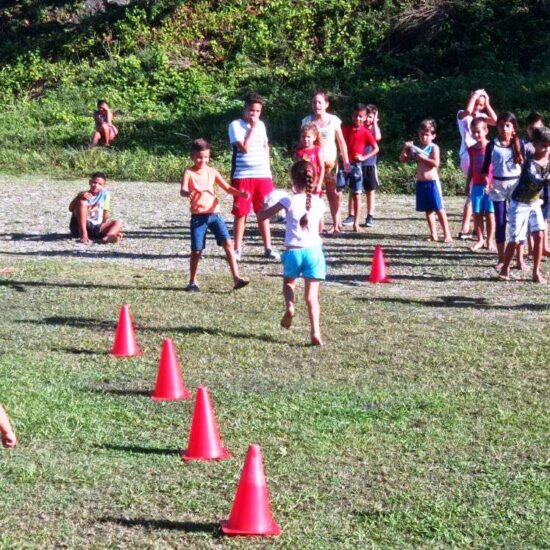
[201,190]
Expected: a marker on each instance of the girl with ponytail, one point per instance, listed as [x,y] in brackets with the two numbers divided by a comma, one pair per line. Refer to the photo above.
[304,248]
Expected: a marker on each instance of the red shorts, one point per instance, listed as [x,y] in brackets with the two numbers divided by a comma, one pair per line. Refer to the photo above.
[258,188]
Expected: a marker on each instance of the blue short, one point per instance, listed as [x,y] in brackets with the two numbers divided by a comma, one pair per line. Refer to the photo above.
[352,179]
[428,196]
[200,223]
[481,203]
[308,262]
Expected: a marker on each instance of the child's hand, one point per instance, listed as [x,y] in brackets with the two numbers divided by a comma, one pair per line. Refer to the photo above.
[408,145]
[376,117]
[359,157]
[9,440]
[245,194]
[346,167]
[85,195]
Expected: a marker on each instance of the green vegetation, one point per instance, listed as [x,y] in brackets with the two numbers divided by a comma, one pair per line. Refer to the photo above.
[178,70]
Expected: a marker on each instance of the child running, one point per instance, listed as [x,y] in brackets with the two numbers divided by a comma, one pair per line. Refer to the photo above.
[505,156]
[8,436]
[304,253]
[329,126]
[104,128]
[481,203]
[428,191]
[369,171]
[358,138]
[197,183]
[525,205]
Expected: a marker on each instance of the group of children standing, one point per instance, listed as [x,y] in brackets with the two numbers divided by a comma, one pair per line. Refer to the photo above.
[331,157]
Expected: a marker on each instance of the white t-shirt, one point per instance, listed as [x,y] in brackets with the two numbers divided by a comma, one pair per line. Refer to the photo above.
[328,136]
[255,163]
[465,132]
[295,206]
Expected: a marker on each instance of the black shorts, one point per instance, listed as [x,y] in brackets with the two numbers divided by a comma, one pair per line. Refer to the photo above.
[370,178]
[94,231]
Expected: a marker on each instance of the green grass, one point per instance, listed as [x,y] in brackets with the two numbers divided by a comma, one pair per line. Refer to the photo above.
[422,423]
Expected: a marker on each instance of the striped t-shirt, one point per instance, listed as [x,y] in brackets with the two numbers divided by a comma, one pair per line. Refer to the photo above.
[255,163]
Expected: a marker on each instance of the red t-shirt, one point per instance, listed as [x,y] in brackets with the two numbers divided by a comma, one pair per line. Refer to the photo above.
[357,138]
[311,155]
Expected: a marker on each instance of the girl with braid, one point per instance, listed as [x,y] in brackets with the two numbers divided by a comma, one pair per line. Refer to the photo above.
[304,251]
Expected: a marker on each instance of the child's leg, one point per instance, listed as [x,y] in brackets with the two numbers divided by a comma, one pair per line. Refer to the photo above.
[507,259]
[351,206]
[356,198]
[81,213]
[233,265]
[520,262]
[96,137]
[431,225]
[194,266]
[442,216]
[490,218]
[371,202]
[265,231]
[110,231]
[289,294]
[239,224]
[545,248]
[105,132]
[466,216]
[478,223]
[333,201]
[537,256]
[311,292]
[500,228]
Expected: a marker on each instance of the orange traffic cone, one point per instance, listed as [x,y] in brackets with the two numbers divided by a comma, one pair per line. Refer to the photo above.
[169,386]
[125,344]
[251,512]
[378,273]
[204,438]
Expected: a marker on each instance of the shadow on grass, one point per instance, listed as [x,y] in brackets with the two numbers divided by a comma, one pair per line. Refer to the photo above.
[83,253]
[20,286]
[461,302]
[152,524]
[44,237]
[118,391]
[140,450]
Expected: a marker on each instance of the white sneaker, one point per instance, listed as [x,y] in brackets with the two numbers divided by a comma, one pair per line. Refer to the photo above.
[350,220]
[271,254]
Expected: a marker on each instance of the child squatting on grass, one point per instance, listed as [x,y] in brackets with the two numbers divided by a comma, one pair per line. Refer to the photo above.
[90,209]
[304,251]
[197,183]
[428,188]
[8,436]
[105,130]
[525,205]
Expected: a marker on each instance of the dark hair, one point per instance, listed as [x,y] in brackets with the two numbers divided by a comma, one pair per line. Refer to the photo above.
[541,135]
[101,175]
[515,141]
[302,174]
[322,93]
[478,120]
[429,125]
[200,145]
[252,98]
[371,108]
[100,101]
[533,118]
[359,107]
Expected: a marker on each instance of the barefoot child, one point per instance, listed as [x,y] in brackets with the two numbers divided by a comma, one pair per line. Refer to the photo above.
[428,192]
[104,128]
[475,185]
[525,205]
[357,138]
[304,253]
[90,219]
[197,183]
[8,436]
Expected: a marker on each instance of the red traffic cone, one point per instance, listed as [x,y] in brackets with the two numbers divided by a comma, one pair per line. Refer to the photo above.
[204,438]
[251,512]
[378,273]
[169,386]
[125,344]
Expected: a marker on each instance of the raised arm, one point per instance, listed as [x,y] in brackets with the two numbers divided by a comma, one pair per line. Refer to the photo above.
[375,126]
[405,155]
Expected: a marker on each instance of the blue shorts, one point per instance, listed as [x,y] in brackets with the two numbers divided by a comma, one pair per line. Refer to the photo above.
[481,203]
[428,196]
[308,262]
[353,178]
[200,223]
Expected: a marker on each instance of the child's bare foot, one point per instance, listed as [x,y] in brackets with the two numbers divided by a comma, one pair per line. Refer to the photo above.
[498,267]
[432,239]
[110,239]
[240,283]
[356,228]
[521,266]
[538,278]
[546,252]
[504,275]
[317,341]
[84,240]
[478,246]
[448,239]
[286,320]
[491,247]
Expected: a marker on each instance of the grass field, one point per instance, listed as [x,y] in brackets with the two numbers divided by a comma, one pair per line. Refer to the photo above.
[422,423]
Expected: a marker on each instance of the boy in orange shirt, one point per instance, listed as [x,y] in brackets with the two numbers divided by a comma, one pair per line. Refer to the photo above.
[197,183]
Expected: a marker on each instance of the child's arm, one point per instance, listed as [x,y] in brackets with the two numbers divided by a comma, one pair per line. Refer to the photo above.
[405,155]
[229,188]
[267,213]
[184,184]
[487,165]
[374,150]
[343,148]
[433,159]
[470,105]
[468,178]
[244,145]
[83,195]
[492,118]
[109,116]
[8,437]
[376,128]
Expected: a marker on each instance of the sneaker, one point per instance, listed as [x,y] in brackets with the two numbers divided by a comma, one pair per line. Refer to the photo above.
[238,254]
[350,220]
[464,236]
[369,220]
[271,254]
[192,287]
[241,283]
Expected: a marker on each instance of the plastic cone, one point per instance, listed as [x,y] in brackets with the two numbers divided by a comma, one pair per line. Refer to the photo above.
[251,512]
[169,386]
[204,438]
[125,344]
[378,273]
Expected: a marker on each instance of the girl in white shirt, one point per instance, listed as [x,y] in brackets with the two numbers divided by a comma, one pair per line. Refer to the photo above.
[304,251]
